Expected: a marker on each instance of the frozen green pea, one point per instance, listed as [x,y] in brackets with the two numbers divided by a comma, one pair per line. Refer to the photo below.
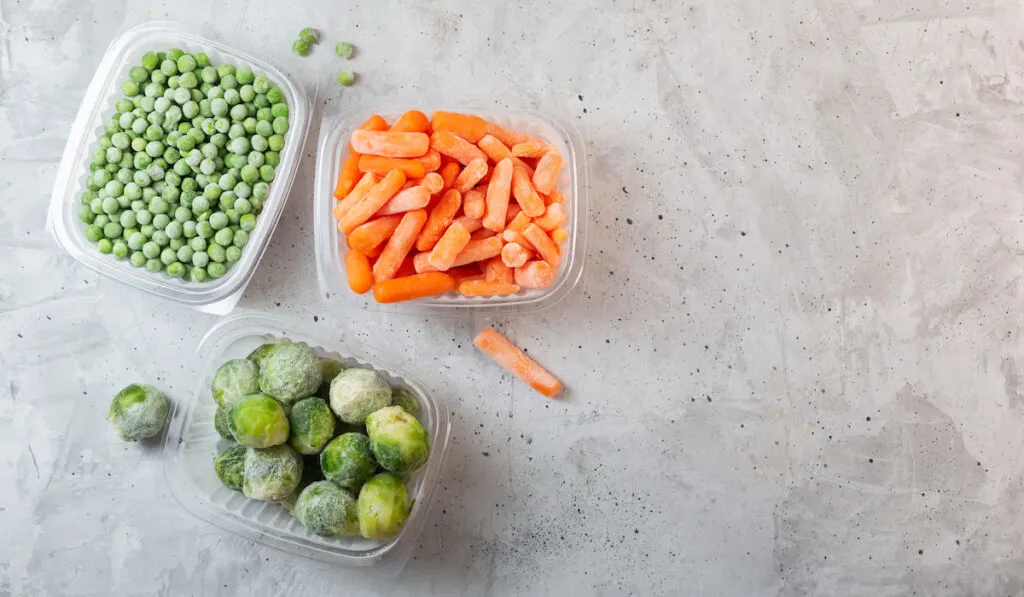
[200,204]
[120,249]
[209,75]
[228,82]
[249,124]
[200,258]
[113,230]
[213,94]
[93,232]
[223,237]
[207,166]
[264,115]
[247,93]
[168,256]
[182,214]
[137,259]
[273,158]
[136,241]
[300,48]
[176,243]
[344,50]
[85,214]
[160,221]
[114,155]
[154,265]
[144,217]
[238,112]
[175,269]
[139,126]
[173,229]
[150,61]
[106,246]
[255,160]
[186,63]
[267,173]
[260,143]
[261,84]
[147,230]
[225,69]
[216,270]
[235,131]
[124,176]
[219,106]
[130,88]
[151,250]
[190,109]
[279,110]
[276,142]
[241,238]
[188,229]
[247,223]
[185,253]
[233,216]
[218,220]
[110,205]
[153,90]
[205,229]
[216,253]
[158,205]
[169,68]
[275,95]
[181,95]
[239,146]
[127,219]
[280,125]
[222,125]
[260,190]
[197,274]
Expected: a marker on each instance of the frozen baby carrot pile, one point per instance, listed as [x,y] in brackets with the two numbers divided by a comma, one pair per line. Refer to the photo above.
[449,203]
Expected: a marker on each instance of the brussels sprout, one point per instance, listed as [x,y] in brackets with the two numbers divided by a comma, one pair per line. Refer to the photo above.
[355,393]
[258,421]
[312,425]
[331,369]
[261,353]
[348,461]
[138,411]
[407,400]
[398,440]
[271,474]
[222,424]
[230,467]
[235,379]
[290,372]
[383,506]
[327,510]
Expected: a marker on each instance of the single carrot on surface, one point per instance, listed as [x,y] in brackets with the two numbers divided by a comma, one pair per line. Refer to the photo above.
[486,288]
[430,160]
[559,235]
[449,173]
[498,195]
[441,217]
[373,201]
[469,127]
[546,175]
[453,146]
[391,145]
[372,234]
[348,177]
[471,175]
[534,275]
[382,165]
[412,121]
[473,203]
[530,149]
[413,287]
[515,361]
[543,243]
[412,198]
[495,270]
[399,245]
[443,255]
[526,196]
[514,255]
[554,216]
[357,267]
[355,195]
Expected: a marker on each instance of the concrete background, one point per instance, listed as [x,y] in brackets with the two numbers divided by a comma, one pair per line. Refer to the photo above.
[794,358]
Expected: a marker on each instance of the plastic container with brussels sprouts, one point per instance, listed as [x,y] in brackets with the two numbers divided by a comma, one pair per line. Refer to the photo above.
[216,491]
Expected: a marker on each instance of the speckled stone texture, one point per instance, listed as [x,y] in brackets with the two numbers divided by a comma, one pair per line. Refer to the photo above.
[794,359]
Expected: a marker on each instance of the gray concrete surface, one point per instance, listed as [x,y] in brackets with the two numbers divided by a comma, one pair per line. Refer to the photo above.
[794,359]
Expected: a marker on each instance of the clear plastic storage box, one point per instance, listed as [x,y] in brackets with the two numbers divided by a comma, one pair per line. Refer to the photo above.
[192,442]
[335,132]
[215,296]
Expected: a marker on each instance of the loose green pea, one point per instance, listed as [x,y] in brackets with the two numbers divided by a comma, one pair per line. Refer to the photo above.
[247,223]
[120,249]
[137,259]
[300,47]
[216,270]
[216,253]
[154,265]
[344,50]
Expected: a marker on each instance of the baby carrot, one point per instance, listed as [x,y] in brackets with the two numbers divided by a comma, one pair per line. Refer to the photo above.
[515,361]
[554,216]
[513,255]
[546,175]
[470,224]
[473,203]
[495,149]
[348,177]
[412,198]
[495,270]
[469,127]
[412,121]
[471,175]
[440,219]
[543,243]
[535,274]
[391,145]
[399,245]
[430,160]
[486,288]
[526,196]
[374,123]
[559,235]
[510,138]
[498,195]
[519,222]
[454,240]
[450,172]
[382,165]
[451,145]
[372,234]
[474,251]
[530,149]
[355,195]
[357,266]
[432,182]
[373,201]
[413,287]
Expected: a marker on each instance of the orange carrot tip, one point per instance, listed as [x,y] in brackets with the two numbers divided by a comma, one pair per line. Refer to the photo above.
[560,235]
[515,361]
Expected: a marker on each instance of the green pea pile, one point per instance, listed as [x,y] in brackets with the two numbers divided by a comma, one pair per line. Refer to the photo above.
[184,166]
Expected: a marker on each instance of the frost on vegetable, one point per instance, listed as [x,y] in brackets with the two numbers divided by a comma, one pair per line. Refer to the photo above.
[407,400]
[222,424]
[261,353]
[398,440]
[327,510]
[330,369]
[312,425]
[235,379]
[271,474]
[291,372]
[138,412]
[258,421]
[383,506]
[348,461]
[230,467]
[355,393]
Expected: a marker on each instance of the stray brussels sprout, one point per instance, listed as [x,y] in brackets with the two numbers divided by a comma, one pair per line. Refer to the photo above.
[309,35]
[258,421]
[230,467]
[290,372]
[312,425]
[271,474]
[327,510]
[346,78]
[348,461]
[138,411]
[344,50]
[222,424]
[383,506]
[261,353]
[330,369]
[300,47]
[397,439]
[407,400]
[235,379]
[355,393]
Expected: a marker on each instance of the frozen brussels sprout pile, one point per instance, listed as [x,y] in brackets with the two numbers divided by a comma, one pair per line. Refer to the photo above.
[332,444]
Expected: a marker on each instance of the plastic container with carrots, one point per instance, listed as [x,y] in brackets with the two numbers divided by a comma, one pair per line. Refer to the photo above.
[449,208]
